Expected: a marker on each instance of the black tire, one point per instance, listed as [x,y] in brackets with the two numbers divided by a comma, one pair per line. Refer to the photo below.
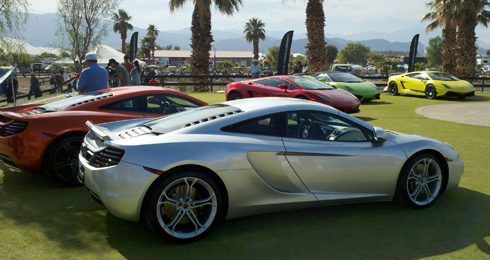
[62,163]
[175,198]
[234,95]
[430,91]
[420,182]
[393,88]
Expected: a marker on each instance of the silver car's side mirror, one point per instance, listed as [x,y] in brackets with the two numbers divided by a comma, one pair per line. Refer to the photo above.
[380,134]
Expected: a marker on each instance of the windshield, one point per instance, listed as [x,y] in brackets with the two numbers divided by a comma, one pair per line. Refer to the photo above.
[344,77]
[442,76]
[341,68]
[310,83]
[203,114]
[73,101]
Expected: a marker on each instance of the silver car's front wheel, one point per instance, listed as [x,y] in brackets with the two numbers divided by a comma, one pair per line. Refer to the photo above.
[184,207]
[421,182]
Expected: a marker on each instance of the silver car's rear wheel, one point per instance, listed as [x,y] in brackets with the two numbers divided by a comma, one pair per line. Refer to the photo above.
[184,207]
[421,182]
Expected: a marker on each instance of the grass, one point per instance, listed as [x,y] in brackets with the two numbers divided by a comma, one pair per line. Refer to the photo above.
[40,220]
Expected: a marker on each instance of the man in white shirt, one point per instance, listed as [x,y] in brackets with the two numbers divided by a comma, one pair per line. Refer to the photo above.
[255,69]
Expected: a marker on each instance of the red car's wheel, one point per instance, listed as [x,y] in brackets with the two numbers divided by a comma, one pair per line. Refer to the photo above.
[234,95]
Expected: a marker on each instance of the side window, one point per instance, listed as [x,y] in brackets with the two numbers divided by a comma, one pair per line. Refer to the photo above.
[413,75]
[322,126]
[275,82]
[168,104]
[136,104]
[261,82]
[271,125]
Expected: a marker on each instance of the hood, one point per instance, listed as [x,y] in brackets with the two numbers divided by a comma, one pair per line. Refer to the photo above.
[337,94]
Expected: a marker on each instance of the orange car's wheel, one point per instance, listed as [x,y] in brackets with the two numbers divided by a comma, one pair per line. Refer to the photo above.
[63,161]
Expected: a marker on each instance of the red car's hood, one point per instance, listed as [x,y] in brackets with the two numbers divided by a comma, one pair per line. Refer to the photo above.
[337,94]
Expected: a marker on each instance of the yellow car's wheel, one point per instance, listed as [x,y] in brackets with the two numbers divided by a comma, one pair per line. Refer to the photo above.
[430,91]
[393,88]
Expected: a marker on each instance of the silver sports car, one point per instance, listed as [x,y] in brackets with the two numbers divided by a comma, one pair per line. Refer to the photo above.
[183,173]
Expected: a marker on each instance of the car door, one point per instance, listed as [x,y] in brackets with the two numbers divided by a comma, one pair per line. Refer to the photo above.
[266,153]
[413,83]
[335,160]
[270,88]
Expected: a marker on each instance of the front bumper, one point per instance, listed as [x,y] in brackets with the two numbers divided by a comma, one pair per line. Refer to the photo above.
[121,188]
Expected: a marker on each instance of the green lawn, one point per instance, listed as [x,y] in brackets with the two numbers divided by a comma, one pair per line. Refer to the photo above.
[40,220]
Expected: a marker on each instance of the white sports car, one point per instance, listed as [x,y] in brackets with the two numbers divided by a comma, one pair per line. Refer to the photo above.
[183,173]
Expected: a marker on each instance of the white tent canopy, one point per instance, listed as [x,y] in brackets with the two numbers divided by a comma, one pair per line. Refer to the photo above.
[104,53]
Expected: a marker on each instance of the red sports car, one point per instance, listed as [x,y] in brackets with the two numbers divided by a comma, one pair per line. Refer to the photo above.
[48,138]
[295,87]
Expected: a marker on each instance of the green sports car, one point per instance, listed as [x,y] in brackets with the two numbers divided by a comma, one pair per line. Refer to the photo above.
[363,90]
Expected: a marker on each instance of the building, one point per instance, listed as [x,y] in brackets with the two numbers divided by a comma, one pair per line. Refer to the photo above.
[180,57]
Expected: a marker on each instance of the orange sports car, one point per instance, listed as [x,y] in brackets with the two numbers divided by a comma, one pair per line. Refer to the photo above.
[47,138]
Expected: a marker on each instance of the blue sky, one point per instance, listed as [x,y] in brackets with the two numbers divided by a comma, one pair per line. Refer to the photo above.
[342,16]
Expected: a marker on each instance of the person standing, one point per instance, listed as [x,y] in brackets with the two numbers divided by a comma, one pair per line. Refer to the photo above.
[52,82]
[127,64]
[34,88]
[121,73]
[11,89]
[135,74]
[299,68]
[255,69]
[94,77]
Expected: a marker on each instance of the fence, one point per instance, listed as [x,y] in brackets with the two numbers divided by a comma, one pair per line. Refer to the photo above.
[219,82]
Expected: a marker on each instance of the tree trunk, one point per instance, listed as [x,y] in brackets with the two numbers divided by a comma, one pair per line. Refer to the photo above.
[448,53]
[256,50]
[466,45]
[201,46]
[315,24]
[123,48]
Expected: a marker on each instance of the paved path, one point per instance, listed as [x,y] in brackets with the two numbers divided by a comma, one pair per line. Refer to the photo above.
[472,113]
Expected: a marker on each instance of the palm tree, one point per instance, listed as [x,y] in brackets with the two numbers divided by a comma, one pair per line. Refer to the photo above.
[254,31]
[201,38]
[122,25]
[315,24]
[153,33]
[472,13]
[444,16]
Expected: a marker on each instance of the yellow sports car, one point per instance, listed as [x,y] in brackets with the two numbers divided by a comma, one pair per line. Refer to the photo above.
[432,84]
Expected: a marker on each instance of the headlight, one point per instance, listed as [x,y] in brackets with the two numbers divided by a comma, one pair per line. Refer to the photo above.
[327,99]
[471,85]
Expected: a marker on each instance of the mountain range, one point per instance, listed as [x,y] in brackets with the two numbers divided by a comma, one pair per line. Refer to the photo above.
[40,31]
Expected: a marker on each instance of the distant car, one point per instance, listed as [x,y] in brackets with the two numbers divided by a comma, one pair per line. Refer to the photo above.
[183,173]
[47,138]
[363,90]
[432,84]
[294,87]
[349,68]
[48,69]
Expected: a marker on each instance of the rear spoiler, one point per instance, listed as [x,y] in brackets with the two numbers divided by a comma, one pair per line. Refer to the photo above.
[102,132]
